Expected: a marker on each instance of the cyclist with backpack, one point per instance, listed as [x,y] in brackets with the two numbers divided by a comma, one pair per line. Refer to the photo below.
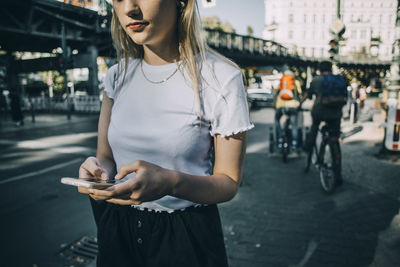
[286,102]
[331,96]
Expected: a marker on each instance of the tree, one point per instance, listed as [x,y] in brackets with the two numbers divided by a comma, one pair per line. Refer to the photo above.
[250,31]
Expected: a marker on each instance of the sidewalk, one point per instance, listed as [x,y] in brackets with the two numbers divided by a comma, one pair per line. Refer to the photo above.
[43,120]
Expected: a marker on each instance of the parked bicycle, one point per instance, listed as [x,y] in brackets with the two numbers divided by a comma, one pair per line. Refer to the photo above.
[326,156]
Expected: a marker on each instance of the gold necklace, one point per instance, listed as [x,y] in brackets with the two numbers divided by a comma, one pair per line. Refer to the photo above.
[163,80]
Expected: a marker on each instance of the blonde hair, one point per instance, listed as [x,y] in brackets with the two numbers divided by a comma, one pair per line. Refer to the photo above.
[191,46]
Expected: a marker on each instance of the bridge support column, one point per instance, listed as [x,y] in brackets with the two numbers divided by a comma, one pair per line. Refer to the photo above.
[93,71]
[12,75]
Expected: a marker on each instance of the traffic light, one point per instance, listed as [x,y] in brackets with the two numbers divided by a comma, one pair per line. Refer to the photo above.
[64,63]
[60,63]
[333,48]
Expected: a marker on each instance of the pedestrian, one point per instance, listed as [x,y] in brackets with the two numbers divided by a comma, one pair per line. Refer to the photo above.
[172,131]
[363,96]
[355,101]
[15,106]
[331,96]
[3,107]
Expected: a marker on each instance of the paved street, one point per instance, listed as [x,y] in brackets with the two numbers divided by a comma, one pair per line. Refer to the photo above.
[280,217]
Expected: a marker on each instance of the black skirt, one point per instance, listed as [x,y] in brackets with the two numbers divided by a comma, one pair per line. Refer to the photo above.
[130,237]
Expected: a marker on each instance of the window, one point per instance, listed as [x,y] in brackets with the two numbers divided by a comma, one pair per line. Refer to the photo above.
[354,34]
[290,35]
[314,18]
[313,52]
[323,18]
[361,18]
[305,18]
[389,35]
[304,35]
[291,4]
[363,34]
[290,18]
[380,19]
[322,52]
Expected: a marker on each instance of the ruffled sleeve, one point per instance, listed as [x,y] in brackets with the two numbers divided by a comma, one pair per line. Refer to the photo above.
[231,111]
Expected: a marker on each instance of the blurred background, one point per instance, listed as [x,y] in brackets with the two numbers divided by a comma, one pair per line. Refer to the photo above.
[53,59]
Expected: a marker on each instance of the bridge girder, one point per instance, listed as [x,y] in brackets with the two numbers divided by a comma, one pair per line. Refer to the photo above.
[35,25]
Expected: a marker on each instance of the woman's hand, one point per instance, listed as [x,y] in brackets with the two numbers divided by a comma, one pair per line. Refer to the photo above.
[151,182]
[91,168]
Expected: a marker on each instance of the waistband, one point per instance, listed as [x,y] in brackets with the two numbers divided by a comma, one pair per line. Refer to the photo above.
[156,208]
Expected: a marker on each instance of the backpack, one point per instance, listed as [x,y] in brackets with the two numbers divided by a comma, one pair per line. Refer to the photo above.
[334,90]
[286,91]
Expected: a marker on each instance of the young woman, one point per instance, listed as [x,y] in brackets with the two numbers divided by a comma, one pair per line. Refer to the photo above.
[172,130]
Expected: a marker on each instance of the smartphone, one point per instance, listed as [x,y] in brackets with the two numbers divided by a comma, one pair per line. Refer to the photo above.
[93,183]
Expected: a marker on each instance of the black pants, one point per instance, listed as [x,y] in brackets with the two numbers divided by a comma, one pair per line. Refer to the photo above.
[334,128]
[131,237]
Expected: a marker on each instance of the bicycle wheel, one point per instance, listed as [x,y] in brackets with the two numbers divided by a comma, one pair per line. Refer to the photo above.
[311,158]
[308,161]
[285,150]
[337,161]
[327,166]
[271,142]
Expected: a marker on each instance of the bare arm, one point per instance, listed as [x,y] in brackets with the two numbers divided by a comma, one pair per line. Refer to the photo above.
[153,182]
[104,153]
[224,183]
[102,166]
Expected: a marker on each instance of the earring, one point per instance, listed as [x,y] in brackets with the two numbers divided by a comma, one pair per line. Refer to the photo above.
[181,4]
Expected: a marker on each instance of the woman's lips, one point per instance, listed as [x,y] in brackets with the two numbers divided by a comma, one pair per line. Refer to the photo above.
[137,26]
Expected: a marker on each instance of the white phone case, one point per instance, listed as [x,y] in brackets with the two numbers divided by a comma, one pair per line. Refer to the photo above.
[85,183]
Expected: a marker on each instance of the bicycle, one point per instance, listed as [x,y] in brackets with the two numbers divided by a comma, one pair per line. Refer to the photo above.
[285,147]
[327,159]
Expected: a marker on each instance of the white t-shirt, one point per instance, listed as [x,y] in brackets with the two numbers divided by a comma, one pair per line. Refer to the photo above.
[160,123]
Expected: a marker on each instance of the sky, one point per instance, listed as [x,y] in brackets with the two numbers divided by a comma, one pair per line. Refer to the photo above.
[239,13]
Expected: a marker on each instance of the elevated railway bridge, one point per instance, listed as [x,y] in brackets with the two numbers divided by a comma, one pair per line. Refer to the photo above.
[46,25]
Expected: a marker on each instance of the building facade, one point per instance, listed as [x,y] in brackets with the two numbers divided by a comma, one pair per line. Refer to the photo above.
[303,26]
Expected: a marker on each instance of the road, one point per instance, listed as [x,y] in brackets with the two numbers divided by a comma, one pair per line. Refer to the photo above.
[38,214]
[280,217]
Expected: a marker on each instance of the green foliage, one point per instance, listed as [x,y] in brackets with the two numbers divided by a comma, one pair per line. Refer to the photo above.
[58,83]
[250,31]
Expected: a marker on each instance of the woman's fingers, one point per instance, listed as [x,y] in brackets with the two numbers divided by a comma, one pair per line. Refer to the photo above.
[98,197]
[123,201]
[91,167]
[83,190]
[117,190]
[129,168]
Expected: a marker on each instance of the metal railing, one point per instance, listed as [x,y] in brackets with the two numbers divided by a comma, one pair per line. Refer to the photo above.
[80,103]
[245,44]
